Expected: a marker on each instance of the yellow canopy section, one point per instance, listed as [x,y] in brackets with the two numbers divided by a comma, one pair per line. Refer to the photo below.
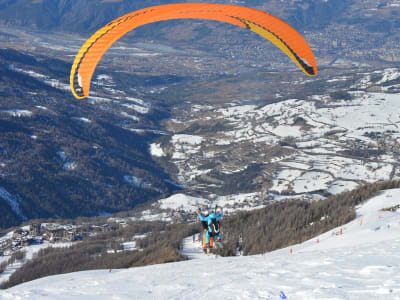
[271,28]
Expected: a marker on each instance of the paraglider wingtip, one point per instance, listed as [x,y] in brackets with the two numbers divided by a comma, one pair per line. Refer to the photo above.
[78,96]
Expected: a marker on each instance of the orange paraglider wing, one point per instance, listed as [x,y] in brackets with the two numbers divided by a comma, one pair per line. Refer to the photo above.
[271,28]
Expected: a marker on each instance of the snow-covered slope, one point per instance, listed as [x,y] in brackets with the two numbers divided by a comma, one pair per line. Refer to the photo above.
[330,142]
[361,263]
[30,251]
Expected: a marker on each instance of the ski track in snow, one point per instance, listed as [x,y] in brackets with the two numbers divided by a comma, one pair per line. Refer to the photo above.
[193,250]
[362,263]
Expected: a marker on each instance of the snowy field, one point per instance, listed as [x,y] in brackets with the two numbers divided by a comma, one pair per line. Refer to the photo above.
[337,144]
[30,252]
[327,139]
[167,209]
[361,263]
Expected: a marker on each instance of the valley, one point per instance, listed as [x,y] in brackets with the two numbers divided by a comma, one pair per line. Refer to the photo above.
[210,115]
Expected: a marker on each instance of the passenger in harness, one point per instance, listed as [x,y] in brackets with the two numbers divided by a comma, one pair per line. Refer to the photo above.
[211,226]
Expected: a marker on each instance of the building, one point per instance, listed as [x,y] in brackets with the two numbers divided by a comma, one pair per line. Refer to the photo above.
[54,234]
[35,229]
[106,228]
[69,236]
[18,233]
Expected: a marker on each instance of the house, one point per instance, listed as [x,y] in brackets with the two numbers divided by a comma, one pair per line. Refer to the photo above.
[54,234]
[95,228]
[69,236]
[35,229]
[122,224]
[106,228]
[17,233]
[5,244]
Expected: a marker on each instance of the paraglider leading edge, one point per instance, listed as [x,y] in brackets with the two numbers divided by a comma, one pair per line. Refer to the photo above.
[266,25]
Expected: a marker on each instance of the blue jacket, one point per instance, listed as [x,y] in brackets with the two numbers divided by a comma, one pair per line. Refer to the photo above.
[211,216]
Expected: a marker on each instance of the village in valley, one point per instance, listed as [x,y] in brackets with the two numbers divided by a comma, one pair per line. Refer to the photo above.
[39,233]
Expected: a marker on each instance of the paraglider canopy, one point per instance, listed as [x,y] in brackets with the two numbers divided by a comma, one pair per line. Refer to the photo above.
[269,27]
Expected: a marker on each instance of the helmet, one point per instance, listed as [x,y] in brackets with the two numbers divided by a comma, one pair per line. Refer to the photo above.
[204,212]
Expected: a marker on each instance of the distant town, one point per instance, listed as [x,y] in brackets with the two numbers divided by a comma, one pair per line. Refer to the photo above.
[37,233]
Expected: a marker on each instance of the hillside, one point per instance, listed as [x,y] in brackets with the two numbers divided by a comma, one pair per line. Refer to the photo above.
[198,106]
[357,260]
[63,158]
[318,138]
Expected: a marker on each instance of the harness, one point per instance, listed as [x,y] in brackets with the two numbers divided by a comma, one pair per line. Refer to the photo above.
[205,225]
[214,227]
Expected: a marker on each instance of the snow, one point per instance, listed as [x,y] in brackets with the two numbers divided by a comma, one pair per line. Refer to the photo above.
[137,108]
[362,263]
[132,180]
[13,202]
[340,186]
[140,183]
[129,116]
[138,101]
[156,150]
[19,112]
[389,74]
[94,100]
[178,156]
[338,79]
[187,144]
[194,249]
[230,200]
[187,139]
[131,245]
[372,109]
[286,131]
[333,129]
[148,215]
[165,209]
[83,120]
[46,79]
[311,181]
[30,252]
[182,202]
[104,77]
[223,142]
[142,131]
[70,166]
[62,155]
[235,111]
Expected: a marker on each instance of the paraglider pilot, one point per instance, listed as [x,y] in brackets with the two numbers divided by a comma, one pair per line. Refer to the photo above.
[210,221]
